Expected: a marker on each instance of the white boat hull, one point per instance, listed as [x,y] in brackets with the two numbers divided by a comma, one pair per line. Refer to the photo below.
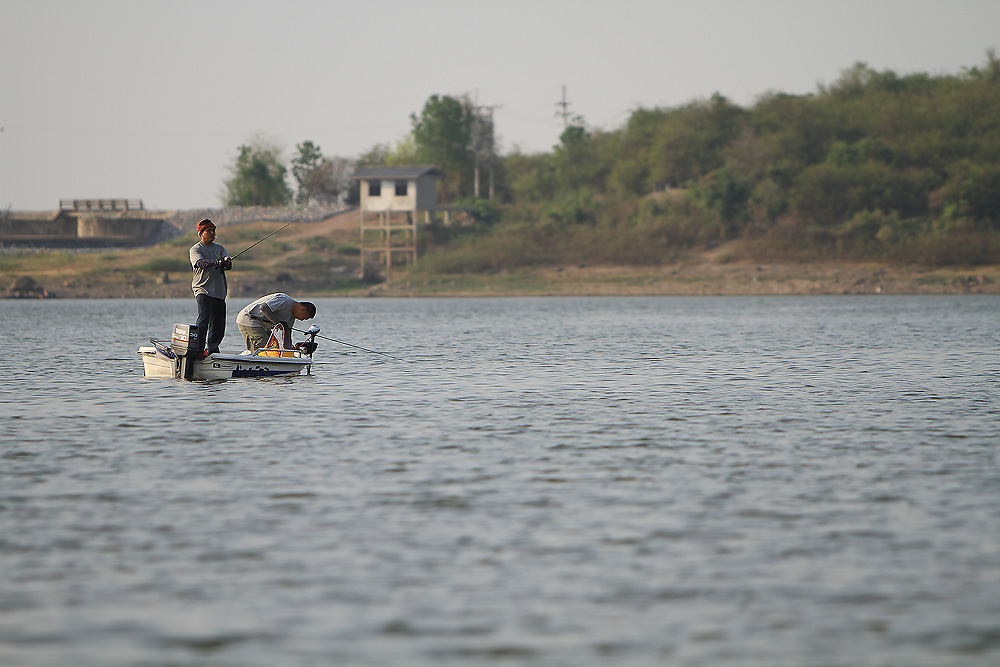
[223,365]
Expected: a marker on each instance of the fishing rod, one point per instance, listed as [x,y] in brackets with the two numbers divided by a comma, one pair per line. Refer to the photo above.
[348,344]
[263,239]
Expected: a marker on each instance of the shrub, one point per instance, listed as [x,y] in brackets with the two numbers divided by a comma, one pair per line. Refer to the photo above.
[168,264]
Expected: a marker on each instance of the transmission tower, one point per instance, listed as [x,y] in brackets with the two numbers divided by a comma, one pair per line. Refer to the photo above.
[565,108]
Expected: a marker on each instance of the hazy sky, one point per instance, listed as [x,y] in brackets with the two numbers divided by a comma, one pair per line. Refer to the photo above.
[149,99]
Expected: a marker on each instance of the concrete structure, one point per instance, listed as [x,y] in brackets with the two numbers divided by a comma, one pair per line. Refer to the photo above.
[391,198]
[100,205]
[84,223]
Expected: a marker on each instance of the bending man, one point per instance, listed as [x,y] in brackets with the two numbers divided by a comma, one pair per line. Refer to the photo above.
[210,262]
[256,320]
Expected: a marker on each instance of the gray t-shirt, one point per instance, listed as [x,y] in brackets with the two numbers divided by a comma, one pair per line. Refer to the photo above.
[210,280]
[281,309]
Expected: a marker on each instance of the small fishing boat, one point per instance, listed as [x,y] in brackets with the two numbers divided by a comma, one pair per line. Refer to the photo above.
[178,358]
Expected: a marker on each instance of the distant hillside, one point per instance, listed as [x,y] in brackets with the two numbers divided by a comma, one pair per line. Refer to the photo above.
[876,167]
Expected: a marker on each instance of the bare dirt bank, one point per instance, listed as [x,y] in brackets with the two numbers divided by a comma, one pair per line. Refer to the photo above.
[704,278]
[308,259]
[694,278]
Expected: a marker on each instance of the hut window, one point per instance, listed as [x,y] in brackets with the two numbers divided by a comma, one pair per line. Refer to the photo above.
[400,188]
[374,189]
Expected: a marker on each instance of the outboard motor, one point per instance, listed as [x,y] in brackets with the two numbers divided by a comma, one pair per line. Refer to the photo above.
[186,344]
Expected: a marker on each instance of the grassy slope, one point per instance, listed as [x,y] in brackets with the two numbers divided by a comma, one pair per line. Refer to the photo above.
[317,257]
[321,259]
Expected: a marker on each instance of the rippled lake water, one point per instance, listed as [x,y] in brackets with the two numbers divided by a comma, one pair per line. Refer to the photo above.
[572,481]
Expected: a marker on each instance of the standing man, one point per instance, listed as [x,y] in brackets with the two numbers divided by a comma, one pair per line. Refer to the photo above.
[210,261]
[256,320]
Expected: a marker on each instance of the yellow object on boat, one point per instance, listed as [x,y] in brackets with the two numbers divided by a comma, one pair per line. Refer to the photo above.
[274,352]
[274,344]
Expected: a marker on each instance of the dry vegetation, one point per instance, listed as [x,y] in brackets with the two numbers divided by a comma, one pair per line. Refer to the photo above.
[321,259]
[306,258]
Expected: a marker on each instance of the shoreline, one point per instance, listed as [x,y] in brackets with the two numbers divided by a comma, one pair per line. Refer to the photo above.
[705,278]
[313,259]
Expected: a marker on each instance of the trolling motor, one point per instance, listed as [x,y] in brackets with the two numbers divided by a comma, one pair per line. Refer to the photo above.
[309,345]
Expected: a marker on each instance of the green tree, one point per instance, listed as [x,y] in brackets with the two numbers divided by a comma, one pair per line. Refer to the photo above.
[530,178]
[443,137]
[630,172]
[875,165]
[972,192]
[727,193]
[800,128]
[304,168]
[321,180]
[375,156]
[692,140]
[405,153]
[258,177]
[578,159]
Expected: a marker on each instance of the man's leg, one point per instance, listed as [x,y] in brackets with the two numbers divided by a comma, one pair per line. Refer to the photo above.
[254,337]
[217,324]
[246,338]
[204,317]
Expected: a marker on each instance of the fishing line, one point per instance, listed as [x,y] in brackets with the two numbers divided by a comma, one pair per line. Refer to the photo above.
[263,239]
[334,340]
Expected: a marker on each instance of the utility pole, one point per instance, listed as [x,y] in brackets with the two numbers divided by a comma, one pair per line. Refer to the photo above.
[565,108]
[483,141]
